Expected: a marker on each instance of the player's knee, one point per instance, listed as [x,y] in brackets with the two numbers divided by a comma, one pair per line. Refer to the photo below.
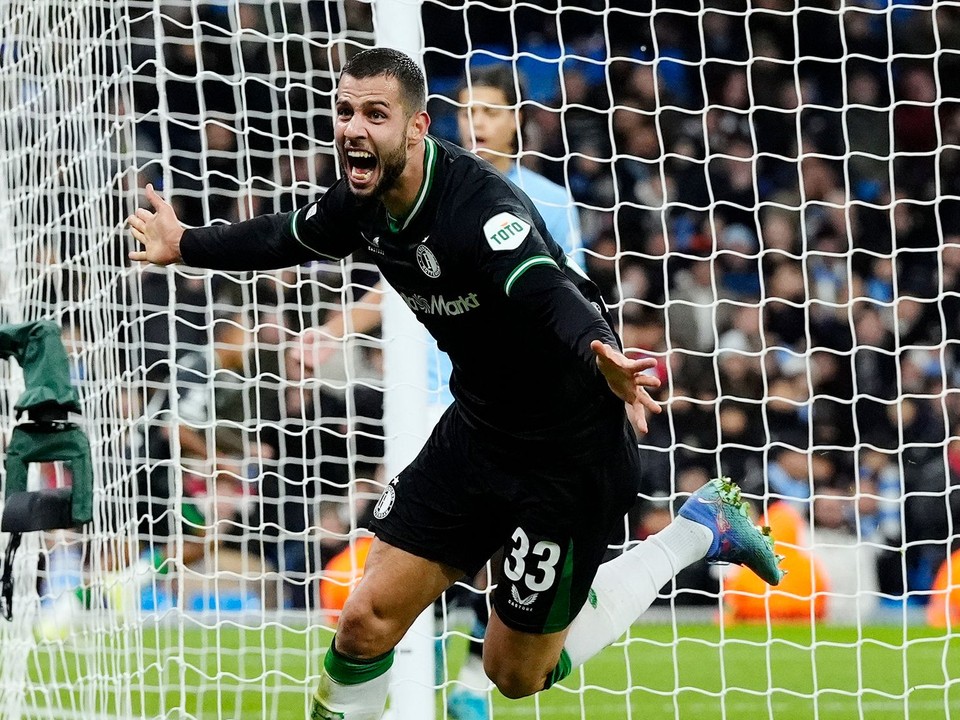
[362,632]
[514,682]
[518,685]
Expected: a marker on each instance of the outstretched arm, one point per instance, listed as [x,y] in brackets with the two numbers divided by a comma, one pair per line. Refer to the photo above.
[266,242]
[628,380]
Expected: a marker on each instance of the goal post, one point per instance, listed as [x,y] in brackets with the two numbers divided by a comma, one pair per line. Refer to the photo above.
[768,197]
[406,421]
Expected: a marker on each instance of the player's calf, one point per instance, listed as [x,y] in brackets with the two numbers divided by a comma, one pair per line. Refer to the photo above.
[519,663]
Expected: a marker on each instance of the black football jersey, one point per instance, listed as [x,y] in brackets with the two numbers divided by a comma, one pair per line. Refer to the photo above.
[474,261]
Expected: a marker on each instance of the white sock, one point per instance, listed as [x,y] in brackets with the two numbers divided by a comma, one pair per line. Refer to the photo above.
[354,701]
[687,540]
[626,586]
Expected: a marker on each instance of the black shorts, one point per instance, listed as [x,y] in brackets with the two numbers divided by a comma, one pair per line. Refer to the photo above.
[552,510]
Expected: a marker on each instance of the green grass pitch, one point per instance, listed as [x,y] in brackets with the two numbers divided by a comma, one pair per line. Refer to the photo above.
[696,671]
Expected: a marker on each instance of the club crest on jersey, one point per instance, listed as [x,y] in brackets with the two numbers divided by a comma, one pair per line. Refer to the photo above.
[428,262]
[385,503]
[505,231]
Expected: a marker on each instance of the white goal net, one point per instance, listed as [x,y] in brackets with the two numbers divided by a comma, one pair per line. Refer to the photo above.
[767,194]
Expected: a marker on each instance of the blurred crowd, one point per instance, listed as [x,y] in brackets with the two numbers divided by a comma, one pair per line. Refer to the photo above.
[770,202]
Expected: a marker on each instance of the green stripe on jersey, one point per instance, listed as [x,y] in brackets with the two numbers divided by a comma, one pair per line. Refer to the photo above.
[296,236]
[293,226]
[524,266]
[559,615]
[429,166]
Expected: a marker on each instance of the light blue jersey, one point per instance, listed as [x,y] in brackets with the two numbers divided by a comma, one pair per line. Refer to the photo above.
[555,205]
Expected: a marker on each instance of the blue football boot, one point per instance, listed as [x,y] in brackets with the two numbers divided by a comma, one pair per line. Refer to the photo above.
[718,506]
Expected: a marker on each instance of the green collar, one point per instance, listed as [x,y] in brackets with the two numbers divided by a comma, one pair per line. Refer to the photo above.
[429,166]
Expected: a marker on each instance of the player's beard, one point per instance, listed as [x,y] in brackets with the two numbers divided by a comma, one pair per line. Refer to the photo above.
[392,166]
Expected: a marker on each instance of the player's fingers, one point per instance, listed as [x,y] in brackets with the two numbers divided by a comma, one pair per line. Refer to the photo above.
[648,402]
[144,215]
[607,354]
[138,235]
[601,349]
[614,356]
[136,223]
[303,350]
[644,380]
[138,255]
[154,197]
[639,418]
[639,365]
[310,336]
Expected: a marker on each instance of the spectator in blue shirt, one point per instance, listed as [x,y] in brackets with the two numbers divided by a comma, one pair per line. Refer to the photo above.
[491,121]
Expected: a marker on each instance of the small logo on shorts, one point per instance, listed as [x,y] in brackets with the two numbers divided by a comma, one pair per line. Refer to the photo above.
[385,503]
[522,603]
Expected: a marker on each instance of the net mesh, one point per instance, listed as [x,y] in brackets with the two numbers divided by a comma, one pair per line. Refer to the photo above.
[768,197]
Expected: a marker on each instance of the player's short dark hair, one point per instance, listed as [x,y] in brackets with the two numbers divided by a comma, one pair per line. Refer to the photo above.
[395,64]
[501,77]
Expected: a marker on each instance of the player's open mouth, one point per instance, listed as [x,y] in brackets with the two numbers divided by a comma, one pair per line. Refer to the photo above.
[361,165]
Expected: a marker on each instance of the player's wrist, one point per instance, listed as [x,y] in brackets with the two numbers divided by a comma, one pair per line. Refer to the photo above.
[177,242]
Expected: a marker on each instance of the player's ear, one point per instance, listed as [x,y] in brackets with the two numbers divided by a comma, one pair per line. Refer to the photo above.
[417,127]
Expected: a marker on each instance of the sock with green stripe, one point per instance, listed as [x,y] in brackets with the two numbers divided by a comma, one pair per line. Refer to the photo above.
[626,586]
[350,688]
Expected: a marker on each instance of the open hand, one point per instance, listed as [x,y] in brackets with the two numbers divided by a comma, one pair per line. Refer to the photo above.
[628,381]
[316,346]
[158,232]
